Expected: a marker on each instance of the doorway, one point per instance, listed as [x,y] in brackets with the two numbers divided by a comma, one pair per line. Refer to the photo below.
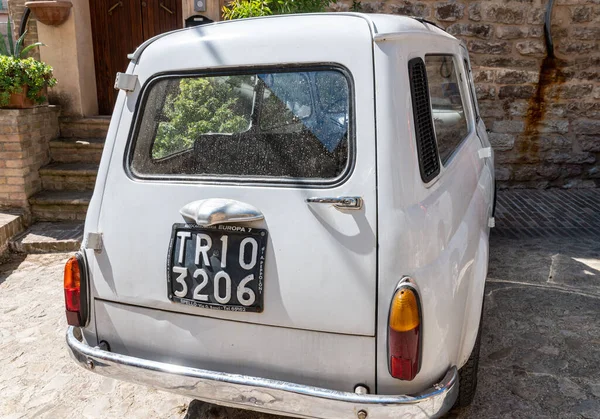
[118,28]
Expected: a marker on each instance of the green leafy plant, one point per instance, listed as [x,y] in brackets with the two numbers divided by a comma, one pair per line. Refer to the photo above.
[356,6]
[239,9]
[15,49]
[16,74]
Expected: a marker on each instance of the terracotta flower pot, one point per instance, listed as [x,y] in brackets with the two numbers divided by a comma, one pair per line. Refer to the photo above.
[20,100]
[50,12]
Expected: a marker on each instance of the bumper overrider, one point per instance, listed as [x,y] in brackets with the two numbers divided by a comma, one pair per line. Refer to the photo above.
[261,394]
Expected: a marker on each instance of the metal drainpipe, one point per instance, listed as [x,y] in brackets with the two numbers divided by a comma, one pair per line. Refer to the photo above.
[547,29]
[24,20]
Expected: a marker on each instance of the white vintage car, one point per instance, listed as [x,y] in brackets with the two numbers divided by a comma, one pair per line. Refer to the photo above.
[292,216]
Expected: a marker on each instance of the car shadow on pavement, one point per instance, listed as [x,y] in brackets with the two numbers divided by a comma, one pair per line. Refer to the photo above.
[202,410]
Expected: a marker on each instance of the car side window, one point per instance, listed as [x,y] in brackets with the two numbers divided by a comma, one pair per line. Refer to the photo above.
[448,113]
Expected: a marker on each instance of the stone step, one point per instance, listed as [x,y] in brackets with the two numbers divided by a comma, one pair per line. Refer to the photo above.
[10,226]
[90,127]
[60,205]
[48,237]
[69,176]
[76,150]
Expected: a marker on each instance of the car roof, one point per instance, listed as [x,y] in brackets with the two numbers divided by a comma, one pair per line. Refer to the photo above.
[382,26]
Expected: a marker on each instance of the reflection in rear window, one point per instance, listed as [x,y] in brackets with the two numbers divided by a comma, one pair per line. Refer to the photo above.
[282,124]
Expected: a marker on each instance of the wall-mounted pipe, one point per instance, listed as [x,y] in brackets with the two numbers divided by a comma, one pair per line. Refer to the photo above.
[548,30]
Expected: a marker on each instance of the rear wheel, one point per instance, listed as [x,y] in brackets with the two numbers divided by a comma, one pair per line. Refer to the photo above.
[467,375]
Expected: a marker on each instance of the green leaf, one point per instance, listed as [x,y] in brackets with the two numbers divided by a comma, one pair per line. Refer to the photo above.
[30,47]
[19,44]
[11,46]
[3,50]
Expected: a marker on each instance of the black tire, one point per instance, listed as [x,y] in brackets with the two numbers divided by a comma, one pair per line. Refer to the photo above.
[467,375]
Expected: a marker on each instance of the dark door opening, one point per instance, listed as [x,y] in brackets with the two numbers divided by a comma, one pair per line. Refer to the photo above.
[120,26]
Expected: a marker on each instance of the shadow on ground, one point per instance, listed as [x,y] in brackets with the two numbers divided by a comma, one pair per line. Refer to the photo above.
[540,354]
[10,264]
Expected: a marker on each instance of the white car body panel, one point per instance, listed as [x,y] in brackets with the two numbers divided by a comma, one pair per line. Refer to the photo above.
[279,353]
[436,233]
[300,262]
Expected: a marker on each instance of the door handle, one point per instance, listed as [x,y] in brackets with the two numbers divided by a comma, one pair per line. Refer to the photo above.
[166,8]
[113,7]
[340,202]
[212,211]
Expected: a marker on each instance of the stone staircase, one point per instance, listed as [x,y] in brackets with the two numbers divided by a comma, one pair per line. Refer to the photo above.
[59,209]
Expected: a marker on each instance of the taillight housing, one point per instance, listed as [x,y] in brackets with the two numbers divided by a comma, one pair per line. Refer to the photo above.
[404,332]
[75,285]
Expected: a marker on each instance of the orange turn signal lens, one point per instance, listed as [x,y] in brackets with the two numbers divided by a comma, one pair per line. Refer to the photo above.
[404,334]
[404,312]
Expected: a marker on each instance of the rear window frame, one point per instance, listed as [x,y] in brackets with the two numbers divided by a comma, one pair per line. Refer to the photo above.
[134,130]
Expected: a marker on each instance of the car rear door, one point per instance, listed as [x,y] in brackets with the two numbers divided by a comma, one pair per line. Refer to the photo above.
[313,264]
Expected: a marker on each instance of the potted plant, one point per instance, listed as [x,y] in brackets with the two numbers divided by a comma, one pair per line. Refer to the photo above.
[23,81]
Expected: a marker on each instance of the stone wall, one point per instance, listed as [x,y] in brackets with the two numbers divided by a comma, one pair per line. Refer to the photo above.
[16,9]
[24,137]
[543,113]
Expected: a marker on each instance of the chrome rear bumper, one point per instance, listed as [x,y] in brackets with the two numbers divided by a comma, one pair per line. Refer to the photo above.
[261,394]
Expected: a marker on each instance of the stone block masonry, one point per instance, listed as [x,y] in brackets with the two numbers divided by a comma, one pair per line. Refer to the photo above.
[24,138]
[543,113]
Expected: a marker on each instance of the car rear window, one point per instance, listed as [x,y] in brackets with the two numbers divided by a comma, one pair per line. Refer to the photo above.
[286,125]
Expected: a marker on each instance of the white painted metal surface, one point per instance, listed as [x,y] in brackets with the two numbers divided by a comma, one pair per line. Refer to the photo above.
[435,233]
[326,268]
[317,257]
[278,353]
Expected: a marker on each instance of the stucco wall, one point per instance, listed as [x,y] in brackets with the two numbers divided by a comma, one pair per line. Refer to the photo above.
[544,114]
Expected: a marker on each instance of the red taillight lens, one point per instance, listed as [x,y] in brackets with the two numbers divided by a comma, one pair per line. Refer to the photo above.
[72,286]
[404,334]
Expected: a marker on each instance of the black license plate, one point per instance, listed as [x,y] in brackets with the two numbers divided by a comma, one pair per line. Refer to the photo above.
[219,267]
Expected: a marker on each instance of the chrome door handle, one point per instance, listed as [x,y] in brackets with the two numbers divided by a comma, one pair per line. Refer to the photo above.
[341,202]
[208,212]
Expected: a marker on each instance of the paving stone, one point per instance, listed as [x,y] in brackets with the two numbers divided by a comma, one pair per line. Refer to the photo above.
[539,355]
[96,127]
[38,379]
[11,224]
[49,237]
[69,176]
[555,212]
[60,205]
[88,150]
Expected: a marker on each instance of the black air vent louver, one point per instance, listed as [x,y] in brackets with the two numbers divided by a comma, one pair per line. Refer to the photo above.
[429,162]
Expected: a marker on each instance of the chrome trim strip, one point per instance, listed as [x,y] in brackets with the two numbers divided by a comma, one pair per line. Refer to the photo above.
[212,211]
[261,394]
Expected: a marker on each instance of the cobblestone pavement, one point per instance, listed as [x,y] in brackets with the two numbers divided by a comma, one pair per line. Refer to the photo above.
[540,353]
[37,377]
